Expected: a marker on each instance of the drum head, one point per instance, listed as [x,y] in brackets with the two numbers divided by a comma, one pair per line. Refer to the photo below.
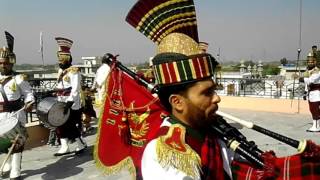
[55,115]
[50,112]
[7,124]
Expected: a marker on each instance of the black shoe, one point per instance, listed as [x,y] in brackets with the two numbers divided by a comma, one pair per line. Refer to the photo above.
[312,131]
[5,174]
[61,154]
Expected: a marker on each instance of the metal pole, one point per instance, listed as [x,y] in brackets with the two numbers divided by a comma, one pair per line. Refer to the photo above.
[298,58]
[299,49]
[41,51]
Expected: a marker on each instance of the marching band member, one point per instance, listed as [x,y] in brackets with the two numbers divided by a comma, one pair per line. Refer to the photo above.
[13,87]
[185,147]
[100,81]
[69,88]
[312,81]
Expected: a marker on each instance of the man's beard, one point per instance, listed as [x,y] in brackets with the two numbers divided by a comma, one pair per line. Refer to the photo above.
[5,71]
[200,118]
[310,67]
[64,66]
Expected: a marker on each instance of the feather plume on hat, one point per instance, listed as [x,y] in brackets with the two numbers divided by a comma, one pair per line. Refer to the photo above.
[7,52]
[10,40]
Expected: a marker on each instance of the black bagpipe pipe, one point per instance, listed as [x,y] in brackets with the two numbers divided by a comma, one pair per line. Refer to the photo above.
[233,138]
[299,145]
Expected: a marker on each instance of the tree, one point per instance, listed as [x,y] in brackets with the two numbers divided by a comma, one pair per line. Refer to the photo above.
[283,61]
[270,69]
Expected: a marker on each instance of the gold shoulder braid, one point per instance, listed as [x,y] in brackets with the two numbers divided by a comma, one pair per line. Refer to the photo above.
[73,70]
[23,77]
[313,71]
[13,86]
[173,151]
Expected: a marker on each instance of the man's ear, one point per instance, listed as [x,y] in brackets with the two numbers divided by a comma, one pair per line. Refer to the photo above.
[176,101]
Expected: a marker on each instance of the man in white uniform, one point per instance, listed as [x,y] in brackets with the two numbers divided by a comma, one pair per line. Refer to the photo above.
[12,88]
[312,81]
[100,81]
[69,87]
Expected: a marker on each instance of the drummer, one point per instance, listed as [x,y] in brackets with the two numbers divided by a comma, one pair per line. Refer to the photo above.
[13,87]
[69,87]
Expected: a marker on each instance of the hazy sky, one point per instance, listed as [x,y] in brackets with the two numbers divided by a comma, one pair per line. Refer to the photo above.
[242,29]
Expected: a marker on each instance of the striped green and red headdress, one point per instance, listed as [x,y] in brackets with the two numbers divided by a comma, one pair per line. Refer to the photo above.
[158,18]
[172,25]
[172,68]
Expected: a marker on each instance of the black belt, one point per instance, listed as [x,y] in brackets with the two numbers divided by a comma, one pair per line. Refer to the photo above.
[10,106]
[313,87]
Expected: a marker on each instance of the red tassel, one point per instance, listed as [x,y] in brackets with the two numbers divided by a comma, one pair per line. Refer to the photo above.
[125,129]
[312,151]
[269,171]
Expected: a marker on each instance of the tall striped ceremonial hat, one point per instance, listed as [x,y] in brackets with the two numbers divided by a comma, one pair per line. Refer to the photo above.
[172,25]
[64,48]
[6,52]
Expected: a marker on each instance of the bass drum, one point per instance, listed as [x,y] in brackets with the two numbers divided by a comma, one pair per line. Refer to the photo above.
[10,128]
[50,112]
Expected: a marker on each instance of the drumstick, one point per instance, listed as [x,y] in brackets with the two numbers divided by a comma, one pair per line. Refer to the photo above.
[9,153]
[31,102]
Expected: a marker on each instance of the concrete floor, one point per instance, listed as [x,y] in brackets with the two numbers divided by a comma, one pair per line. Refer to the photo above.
[40,164]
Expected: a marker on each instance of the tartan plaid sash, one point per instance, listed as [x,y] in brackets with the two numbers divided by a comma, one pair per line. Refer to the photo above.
[212,163]
[294,167]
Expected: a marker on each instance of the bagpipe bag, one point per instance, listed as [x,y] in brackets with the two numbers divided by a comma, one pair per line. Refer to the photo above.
[303,166]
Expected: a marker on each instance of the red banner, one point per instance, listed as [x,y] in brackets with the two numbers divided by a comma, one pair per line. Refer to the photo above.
[131,117]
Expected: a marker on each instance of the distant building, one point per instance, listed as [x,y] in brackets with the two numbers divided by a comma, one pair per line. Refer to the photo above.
[288,70]
[89,66]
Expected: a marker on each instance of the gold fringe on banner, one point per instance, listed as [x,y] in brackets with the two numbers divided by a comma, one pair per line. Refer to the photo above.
[125,164]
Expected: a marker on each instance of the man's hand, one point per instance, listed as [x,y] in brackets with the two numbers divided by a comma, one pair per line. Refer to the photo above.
[67,107]
[18,145]
[28,106]
[301,79]
[295,76]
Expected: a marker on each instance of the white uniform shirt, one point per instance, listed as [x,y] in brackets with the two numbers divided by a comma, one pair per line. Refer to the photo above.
[314,78]
[72,79]
[100,80]
[14,89]
[152,170]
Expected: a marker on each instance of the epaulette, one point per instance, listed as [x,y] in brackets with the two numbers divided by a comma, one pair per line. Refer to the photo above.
[73,69]
[314,71]
[23,77]
[173,151]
